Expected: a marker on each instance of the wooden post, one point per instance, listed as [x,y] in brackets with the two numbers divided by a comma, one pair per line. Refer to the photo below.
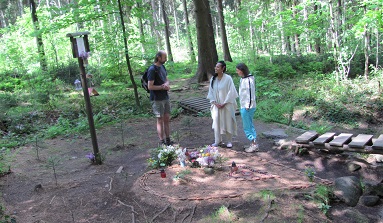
[89,112]
[84,83]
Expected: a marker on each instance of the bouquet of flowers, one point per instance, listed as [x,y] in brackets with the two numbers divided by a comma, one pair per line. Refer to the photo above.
[162,155]
[205,156]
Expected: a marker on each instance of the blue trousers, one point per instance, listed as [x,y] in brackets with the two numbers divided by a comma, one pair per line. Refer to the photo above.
[247,121]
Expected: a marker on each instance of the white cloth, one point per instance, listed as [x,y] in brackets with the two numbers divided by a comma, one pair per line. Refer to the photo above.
[223,91]
[247,92]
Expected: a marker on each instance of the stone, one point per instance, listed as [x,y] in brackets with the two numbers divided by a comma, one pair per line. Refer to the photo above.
[352,167]
[375,189]
[348,189]
[353,215]
[369,200]
[378,158]
[275,134]
[208,170]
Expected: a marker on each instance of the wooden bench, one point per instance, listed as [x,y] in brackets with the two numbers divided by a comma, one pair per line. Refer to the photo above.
[342,142]
[378,143]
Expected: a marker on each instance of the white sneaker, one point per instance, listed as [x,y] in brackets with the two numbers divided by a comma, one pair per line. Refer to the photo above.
[229,145]
[252,148]
[214,145]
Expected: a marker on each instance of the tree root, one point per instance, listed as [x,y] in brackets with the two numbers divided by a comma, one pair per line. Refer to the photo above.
[268,209]
[163,210]
[133,212]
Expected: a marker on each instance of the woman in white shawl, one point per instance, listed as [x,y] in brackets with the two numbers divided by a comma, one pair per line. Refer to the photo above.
[222,95]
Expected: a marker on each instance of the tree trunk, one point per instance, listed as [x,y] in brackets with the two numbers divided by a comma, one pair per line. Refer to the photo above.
[176,23]
[377,49]
[20,7]
[39,40]
[296,35]
[167,33]
[142,34]
[288,45]
[334,42]
[283,41]
[3,22]
[127,54]
[225,44]
[207,51]
[367,49]
[155,23]
[187,24]
[317,40]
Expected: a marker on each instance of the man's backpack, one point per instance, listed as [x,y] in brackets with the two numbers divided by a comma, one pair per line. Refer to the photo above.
[144,78]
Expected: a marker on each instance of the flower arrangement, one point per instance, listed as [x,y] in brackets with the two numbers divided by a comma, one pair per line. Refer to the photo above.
[205,156]
[162,155]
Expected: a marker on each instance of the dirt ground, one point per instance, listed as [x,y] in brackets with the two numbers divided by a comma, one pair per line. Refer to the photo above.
[97,193]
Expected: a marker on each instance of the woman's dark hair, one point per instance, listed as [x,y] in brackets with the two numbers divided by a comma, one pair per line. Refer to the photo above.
[223,65]
[242,67]
[215,74]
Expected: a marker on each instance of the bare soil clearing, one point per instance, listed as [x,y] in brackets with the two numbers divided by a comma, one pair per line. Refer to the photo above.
[91,193]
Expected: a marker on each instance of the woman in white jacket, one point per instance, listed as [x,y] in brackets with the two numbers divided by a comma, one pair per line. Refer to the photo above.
[247,100]
[222,96]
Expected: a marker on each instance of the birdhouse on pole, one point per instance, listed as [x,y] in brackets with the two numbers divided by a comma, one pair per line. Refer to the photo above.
[81,51]
[80,44]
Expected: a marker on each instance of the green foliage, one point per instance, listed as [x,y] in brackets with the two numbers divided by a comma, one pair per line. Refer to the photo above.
[323,195]
[222,215]
[320,128]
[267,195]
[4,217]
[176,111]
[9,84]
[4,161]
[203,114]
[7,101]
[310,173]
[182,174]
[273,111]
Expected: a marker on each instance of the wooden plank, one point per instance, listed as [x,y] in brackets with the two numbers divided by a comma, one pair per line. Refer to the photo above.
[325,138]
[378,144]
[307,137]
[341,139]
[360,141]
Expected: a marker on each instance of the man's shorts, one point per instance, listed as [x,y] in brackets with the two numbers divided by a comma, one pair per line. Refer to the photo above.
[161,107]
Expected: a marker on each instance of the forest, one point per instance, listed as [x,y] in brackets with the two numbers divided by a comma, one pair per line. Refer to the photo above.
[322,58]
[317,64]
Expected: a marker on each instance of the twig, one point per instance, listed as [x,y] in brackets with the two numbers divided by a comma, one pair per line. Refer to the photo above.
[192,213]
[176,212]
[185,218]
[143,211]
[110,183]
[130,207]
[52,199]
[268,209]
[155,216]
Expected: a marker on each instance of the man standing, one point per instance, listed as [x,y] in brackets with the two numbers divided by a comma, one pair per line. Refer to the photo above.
[158,84]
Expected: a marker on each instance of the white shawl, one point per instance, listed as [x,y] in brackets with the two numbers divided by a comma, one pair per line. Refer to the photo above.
[223,91]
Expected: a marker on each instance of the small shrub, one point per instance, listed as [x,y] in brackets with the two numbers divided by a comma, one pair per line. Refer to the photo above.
[273,111]
[223,214]
[7,100]
[310,173]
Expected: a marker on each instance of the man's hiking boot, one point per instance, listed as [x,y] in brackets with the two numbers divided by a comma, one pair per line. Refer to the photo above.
[169,142]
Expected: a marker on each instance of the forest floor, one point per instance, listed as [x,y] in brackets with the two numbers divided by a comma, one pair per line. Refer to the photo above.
[101,193]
